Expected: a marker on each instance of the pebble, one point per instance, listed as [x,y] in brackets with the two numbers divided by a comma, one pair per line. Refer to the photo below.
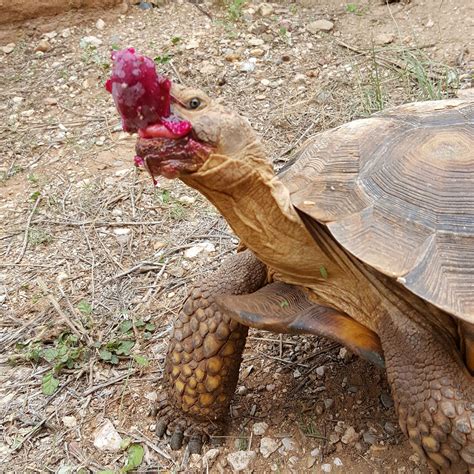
[320,370]
[257,52]
[268,446]
[384,38]
[187,200]
[315,452]
[106,438]
[334,438]
[265,9]
[91,41]
[50,101]
[209,458]
[195,250]
[337,462]
[256,42]
[260,428]
[310,462]
[208,69]
[319,25]
[350,436]
[249,65]
[100,24]
[43,46]
[369,438]
[387,400]
[326,467]
[289,444]
[69,421]
[8,48]
[389,428]
[328,403]
[240,460]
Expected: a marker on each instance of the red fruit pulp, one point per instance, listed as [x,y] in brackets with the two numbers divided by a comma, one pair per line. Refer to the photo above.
[142,96]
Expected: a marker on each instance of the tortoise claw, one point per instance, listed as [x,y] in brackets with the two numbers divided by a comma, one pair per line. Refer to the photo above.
[176,441]
[195,444]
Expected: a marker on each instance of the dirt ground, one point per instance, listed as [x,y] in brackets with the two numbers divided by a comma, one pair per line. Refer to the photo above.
[95,261]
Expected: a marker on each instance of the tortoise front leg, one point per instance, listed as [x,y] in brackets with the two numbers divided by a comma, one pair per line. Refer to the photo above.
[433,391]
[204,355]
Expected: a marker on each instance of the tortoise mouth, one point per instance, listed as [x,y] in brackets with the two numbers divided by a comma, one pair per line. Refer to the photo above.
[169,156]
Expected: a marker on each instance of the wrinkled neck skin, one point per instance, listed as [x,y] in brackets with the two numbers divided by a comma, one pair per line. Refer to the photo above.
[257,206]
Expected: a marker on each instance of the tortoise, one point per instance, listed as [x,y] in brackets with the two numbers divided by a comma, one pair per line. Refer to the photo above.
[367,237]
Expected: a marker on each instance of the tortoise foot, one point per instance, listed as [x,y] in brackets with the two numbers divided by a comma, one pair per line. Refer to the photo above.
[184,429]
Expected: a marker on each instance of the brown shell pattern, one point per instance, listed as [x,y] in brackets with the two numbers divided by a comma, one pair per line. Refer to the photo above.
[397,191]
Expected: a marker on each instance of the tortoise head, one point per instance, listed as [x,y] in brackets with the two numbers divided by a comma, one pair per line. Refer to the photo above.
[216,130]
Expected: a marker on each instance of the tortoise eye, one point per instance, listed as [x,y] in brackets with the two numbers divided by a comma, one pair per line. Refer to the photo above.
[194,103]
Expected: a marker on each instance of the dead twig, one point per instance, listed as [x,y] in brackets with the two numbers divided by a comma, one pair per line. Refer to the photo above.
[27,230]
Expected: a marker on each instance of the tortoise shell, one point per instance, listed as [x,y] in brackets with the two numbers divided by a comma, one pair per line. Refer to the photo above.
[397,191]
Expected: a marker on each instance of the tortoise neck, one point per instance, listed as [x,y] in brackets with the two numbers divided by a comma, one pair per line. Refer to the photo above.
[257,206]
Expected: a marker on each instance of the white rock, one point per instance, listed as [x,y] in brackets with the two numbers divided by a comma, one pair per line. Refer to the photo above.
[121,231]
[192,44]
[249,65]
[8,48]
[209,458]
[320,371]
[289,444]
[315,452]
[259,429]
[100,24]
[66,33]
[208,69]
[195,250]
[350,436]
[430,23]
[268,446]
[152,396]
[337,462]
[106,438]
[91,41]
[326,467]
[299,79]
[240,460]
[69,421]
[265,9]
[319,25]
[256,42]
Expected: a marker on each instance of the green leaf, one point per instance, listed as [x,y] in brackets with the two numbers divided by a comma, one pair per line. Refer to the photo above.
[142,361]
[114,359]
[84,307]
[49,384]
[175,40]
[104,354]
[106,471]
[140,323]
[135,457]
[150,327]
[125,347]
[323,272]
[125,326]
[49,354]
[147,335]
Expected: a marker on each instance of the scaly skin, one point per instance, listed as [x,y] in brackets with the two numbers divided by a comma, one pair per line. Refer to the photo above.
[204,355]
[433,392]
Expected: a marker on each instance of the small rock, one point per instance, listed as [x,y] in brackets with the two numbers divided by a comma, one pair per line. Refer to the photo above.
[384,38]
[66,33]
[268,446]
[319,25]
[387,400]
[265,9]
[328,403]
[270,387]
[350,436]
[300,79]
[187,200]
[259,429]
[209,458]
[208,69]
[194,251]
[390,428]
[337,462]
[50,101]
[415,458]
[90,41]
[429,23]
[334,438]
[100,24]
[315,452]
[320,370]
[289,444]
[8,48]
[293,460]
[152,396]
[145,6]
[69,421]
[43,46]
[369,438]
[257,52]
[192,44]
[256,42]
[249,65]
[241,390]
[310,462]
[326,467]
[240,460]
[106,438]
[296,374]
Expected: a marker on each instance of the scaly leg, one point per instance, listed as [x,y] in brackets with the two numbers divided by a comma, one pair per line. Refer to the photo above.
[433,391]
[204,355]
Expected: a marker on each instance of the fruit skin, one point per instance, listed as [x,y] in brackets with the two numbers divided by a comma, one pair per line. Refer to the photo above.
[141,96]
